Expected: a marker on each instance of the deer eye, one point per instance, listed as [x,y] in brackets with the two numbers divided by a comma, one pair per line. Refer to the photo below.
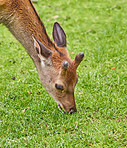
[59,87]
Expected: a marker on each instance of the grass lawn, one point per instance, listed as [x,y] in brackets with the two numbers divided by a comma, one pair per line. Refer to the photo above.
[29,117]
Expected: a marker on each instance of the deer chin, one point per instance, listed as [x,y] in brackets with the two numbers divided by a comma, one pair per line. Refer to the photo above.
[59,106]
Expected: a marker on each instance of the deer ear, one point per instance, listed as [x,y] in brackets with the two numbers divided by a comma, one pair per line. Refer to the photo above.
[41,49]
[59,35]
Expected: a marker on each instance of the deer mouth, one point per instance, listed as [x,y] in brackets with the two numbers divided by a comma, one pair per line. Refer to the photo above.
[60,108]
[71,110]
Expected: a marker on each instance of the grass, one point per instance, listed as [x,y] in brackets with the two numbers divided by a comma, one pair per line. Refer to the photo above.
[29,117]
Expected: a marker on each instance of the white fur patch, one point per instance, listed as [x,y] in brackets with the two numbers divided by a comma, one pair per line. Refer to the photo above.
[42,60]
[42,63]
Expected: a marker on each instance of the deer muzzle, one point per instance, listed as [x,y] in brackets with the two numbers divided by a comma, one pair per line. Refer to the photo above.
[71,110]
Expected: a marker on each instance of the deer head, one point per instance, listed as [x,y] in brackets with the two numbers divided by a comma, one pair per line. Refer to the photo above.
[57,71]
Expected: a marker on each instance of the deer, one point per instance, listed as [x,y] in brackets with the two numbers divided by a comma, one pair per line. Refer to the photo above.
[56,70]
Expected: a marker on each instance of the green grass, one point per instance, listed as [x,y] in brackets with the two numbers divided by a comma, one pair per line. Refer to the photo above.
[99,29]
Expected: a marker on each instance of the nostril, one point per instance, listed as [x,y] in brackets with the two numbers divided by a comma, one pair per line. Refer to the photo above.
[72,110]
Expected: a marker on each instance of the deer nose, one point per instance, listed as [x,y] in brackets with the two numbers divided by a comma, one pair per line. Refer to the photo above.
[72,110]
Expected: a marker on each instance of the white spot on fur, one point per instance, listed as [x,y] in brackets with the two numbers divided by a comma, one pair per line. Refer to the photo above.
[42,64]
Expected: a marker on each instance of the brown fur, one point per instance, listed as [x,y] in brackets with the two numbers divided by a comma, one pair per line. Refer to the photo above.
[24,22]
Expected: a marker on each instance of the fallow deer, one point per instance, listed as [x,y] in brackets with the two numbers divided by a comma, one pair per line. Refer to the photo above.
[57,71]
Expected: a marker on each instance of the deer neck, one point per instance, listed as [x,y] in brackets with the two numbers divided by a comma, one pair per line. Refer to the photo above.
[22,20]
